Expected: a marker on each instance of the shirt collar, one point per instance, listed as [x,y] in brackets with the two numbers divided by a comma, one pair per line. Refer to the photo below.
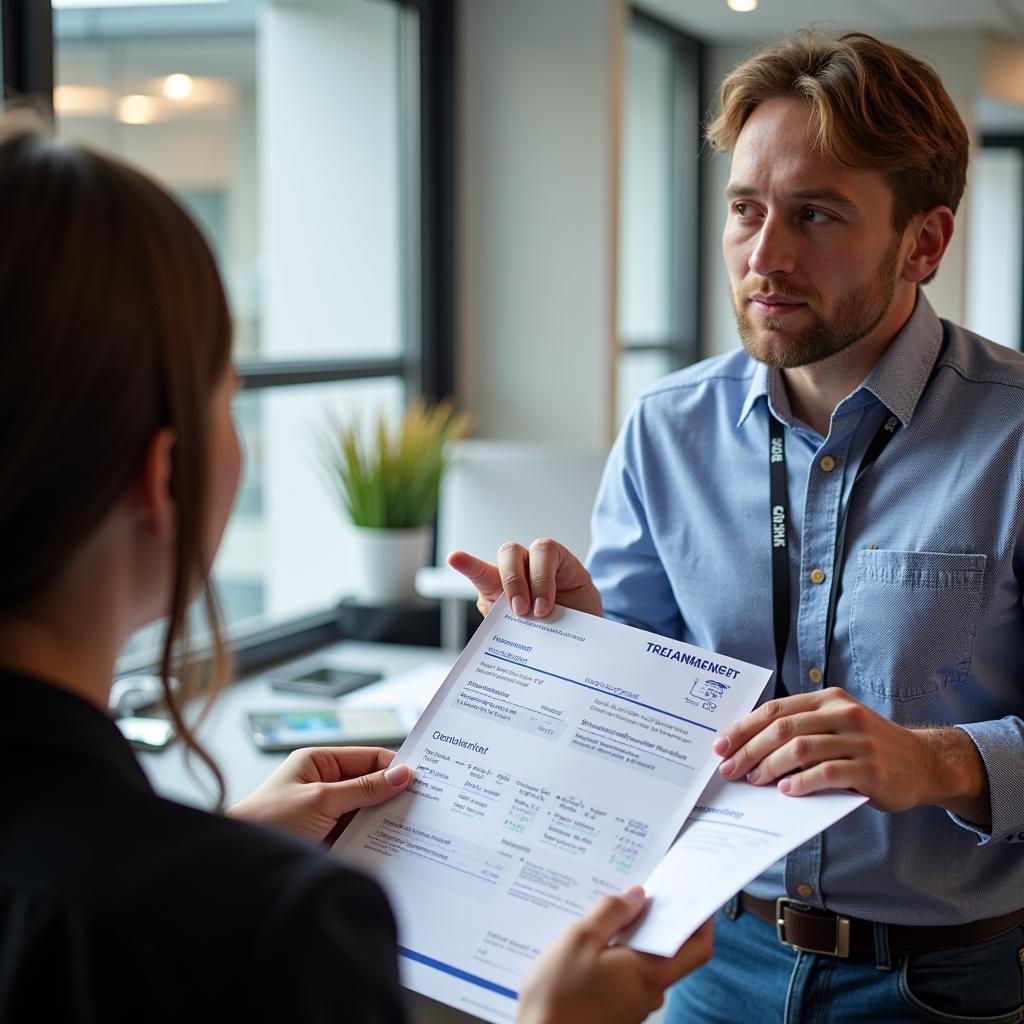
[901,375]
[897,380]
[767,383]
[758,387]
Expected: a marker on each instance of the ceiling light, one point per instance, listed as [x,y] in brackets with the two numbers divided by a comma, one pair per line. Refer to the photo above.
[136,109]
[742,6]
[82,101]
[178,86]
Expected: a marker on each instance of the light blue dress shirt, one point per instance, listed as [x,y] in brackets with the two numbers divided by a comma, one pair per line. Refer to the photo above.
[929,623]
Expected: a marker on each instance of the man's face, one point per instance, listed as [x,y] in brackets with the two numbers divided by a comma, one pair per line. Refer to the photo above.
[813,259]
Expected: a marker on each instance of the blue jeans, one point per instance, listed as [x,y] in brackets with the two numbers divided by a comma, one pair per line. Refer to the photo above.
[754,979]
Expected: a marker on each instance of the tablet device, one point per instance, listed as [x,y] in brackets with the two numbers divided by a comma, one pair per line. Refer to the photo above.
[326,727]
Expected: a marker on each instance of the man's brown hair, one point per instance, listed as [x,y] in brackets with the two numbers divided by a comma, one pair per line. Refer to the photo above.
[875,106]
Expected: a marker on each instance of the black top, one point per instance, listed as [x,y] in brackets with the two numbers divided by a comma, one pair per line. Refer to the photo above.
[118,904]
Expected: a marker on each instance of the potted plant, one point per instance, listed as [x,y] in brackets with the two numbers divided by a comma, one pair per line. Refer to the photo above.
[387,482]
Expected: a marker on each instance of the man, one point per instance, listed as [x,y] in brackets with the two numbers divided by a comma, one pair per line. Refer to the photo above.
[841,499]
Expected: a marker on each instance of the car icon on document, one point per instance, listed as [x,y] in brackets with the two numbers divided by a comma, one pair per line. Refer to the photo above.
[709,691]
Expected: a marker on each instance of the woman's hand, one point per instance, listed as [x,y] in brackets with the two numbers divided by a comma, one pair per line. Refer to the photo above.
[583,979]
[535,578]
[317,789]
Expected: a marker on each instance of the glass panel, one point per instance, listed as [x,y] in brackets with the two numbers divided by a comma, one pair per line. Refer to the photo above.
[635,371]
[289,131]
[283,554]
[645,217]
[994,245]
[281,128]
[659,245]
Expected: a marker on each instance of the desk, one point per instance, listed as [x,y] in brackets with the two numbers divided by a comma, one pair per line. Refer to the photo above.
[225,732]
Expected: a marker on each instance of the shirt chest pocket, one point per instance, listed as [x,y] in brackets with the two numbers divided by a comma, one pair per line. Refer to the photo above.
[913,619]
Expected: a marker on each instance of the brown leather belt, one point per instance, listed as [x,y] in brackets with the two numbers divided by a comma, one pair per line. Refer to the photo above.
[821,931]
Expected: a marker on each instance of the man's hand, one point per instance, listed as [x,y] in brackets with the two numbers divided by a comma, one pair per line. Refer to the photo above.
[317,786]
[581,979]
[535,579]
[829,740]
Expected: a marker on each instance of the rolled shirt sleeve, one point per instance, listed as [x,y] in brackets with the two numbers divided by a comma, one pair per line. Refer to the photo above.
[1001,746]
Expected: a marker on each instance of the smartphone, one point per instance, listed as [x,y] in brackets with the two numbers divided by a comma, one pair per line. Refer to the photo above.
[146,733]
[139,695]
[326,727]
[326,681]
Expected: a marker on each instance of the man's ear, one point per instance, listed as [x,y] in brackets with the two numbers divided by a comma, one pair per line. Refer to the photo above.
[931,231]
[154,488]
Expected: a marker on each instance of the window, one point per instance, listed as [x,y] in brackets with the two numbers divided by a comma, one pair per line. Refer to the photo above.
[312,144]
[995,240]
[659,214]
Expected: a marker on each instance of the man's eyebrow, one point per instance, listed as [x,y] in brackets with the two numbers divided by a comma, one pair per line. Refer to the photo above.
[824,194]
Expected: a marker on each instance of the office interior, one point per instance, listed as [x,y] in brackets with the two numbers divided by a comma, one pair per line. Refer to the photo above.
[507,203]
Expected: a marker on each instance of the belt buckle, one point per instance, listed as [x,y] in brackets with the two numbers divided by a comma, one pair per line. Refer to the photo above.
[842,946]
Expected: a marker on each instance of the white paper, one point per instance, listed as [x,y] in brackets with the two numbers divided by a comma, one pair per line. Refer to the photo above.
[407,692]
[734,833]
[556,763]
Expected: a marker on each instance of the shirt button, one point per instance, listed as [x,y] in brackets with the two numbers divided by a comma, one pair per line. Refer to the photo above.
[827,463]
[817,576]
[815,675]
[804,890]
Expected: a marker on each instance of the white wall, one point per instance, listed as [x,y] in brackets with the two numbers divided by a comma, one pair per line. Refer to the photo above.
[329,162]
[1001,72]
[538,90]
[329,86]
[994,247]
[959,60]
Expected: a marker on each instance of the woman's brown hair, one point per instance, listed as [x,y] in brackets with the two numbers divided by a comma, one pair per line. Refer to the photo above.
[875,106]
[113,324]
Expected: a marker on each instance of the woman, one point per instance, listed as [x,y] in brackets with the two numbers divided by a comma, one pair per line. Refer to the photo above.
[118,467]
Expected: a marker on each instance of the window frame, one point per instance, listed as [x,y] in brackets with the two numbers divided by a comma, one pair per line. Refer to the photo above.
[26,27]
[427,362]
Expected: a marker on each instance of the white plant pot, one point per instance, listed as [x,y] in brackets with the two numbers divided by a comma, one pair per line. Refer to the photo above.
[384,562]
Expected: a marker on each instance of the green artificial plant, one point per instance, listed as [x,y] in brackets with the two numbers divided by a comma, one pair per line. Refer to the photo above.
[390,479]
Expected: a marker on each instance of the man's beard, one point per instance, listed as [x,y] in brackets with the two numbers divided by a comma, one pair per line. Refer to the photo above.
[857,314]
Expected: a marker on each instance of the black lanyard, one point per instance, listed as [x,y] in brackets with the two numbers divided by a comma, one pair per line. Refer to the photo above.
[781,596]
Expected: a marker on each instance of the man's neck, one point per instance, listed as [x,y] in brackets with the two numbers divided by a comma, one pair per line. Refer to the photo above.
[816,389]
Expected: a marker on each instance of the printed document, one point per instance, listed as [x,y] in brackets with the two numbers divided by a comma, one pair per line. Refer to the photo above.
[557,762]
[734,833]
